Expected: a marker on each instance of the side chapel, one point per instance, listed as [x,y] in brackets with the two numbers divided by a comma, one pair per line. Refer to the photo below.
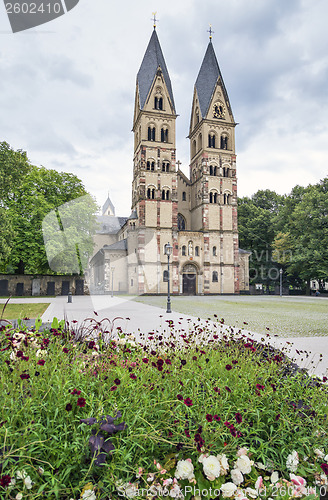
[197,215]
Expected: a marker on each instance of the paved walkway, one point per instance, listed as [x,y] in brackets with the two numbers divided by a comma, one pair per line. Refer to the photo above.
[139,319]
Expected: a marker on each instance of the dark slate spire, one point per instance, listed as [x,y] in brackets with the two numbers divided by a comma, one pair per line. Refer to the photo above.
[153,58]
[208,76]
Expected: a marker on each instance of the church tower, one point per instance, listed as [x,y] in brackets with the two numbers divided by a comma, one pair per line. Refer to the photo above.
[213,175]
[154,186]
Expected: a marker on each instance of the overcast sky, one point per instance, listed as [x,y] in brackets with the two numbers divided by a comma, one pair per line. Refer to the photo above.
[67,88]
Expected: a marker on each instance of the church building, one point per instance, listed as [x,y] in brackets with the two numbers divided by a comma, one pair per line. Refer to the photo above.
[197,214]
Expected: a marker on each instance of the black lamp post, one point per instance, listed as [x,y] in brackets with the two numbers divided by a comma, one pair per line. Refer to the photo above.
[280,272]
[168,251]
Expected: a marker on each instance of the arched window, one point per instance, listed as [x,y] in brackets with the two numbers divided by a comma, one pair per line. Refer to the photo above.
[148,165]
[224,141]
[151,133]
[197,116]
[227,199]
[200,141]
[211,140]
[167,194]
[181,222]
[165,166]
[164,135]
[183,250]
[213,170]
[163,194]
[193,149]
[215,277]
[197,251]
[211,197]
[151,193]
[226,172]
[184,196]
[214,251]
[158,104]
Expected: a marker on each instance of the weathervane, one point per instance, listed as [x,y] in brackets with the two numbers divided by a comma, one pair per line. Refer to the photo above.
[154,19]
[210,31]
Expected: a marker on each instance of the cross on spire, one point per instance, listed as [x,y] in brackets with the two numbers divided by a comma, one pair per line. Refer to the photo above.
[179,163]
[210,31]
[154,19]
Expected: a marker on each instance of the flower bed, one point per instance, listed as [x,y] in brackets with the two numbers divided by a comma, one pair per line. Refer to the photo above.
[96,420]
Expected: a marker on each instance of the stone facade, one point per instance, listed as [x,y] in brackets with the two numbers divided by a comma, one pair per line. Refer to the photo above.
[197,215]
[25,285]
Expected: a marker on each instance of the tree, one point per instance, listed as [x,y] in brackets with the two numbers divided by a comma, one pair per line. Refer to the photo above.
[29,194]
[14,165]
[41,192]
[257,220]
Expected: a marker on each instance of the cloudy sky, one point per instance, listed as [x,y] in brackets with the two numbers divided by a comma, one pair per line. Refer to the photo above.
[67,88]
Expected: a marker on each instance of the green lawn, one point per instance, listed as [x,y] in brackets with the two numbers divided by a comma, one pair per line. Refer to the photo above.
[31,311]
[286,316]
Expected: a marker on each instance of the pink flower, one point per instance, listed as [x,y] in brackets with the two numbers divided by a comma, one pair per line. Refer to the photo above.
[259,483]
[297,480]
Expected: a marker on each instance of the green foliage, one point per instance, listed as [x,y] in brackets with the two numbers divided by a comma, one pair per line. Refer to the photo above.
[30,194]
[288,231]
[178,400]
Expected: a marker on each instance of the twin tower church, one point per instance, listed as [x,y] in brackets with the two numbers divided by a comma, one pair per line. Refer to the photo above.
[197,215]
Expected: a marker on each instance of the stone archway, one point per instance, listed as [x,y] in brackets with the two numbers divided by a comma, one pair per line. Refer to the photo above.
[189,279]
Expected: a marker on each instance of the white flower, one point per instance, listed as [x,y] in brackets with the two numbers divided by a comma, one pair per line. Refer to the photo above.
[252,493]
[41,470]
[326,458]
[28,482]
[224,463]
[184,470]
[19,496]
[237,476]
[212,467]
[244,464]
[202,456]
[292,461]
[228,490]
[21,474]
[41,352]
[274,477]
[89,495]
[13,356]
[319,453]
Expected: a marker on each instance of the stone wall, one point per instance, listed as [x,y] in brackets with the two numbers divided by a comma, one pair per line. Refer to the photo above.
[27,285]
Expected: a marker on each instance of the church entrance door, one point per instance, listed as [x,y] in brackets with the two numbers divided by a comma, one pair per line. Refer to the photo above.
[189,279]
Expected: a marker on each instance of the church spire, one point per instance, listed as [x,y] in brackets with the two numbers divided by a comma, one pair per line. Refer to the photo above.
[152,62]
[208,76]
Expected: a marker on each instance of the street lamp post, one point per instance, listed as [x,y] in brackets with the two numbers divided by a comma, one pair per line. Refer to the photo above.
[112,269]
[168,251]
[280,282]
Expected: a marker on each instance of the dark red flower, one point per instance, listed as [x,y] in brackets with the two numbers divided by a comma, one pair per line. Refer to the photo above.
[41,362]
[5,480]
[117,381]
[19,354]
[75,391]
[234,362]
[181,383]
[324,467]
[273,387]
[91,344]
[68,407]
[170,434]
[233,431]
[24,376]
[209,417]
[168,362]
[25,358]
[227,388]
[113,388]
[145,360]
[277,416]
[239,418]
[183,362]
[216,389]
[324,379]
[228,367]
[194,358]
[217,418]
[179,397]
[133,376]
[259,387]
[188,402]
[65,350]
[187,433]
[81,402]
